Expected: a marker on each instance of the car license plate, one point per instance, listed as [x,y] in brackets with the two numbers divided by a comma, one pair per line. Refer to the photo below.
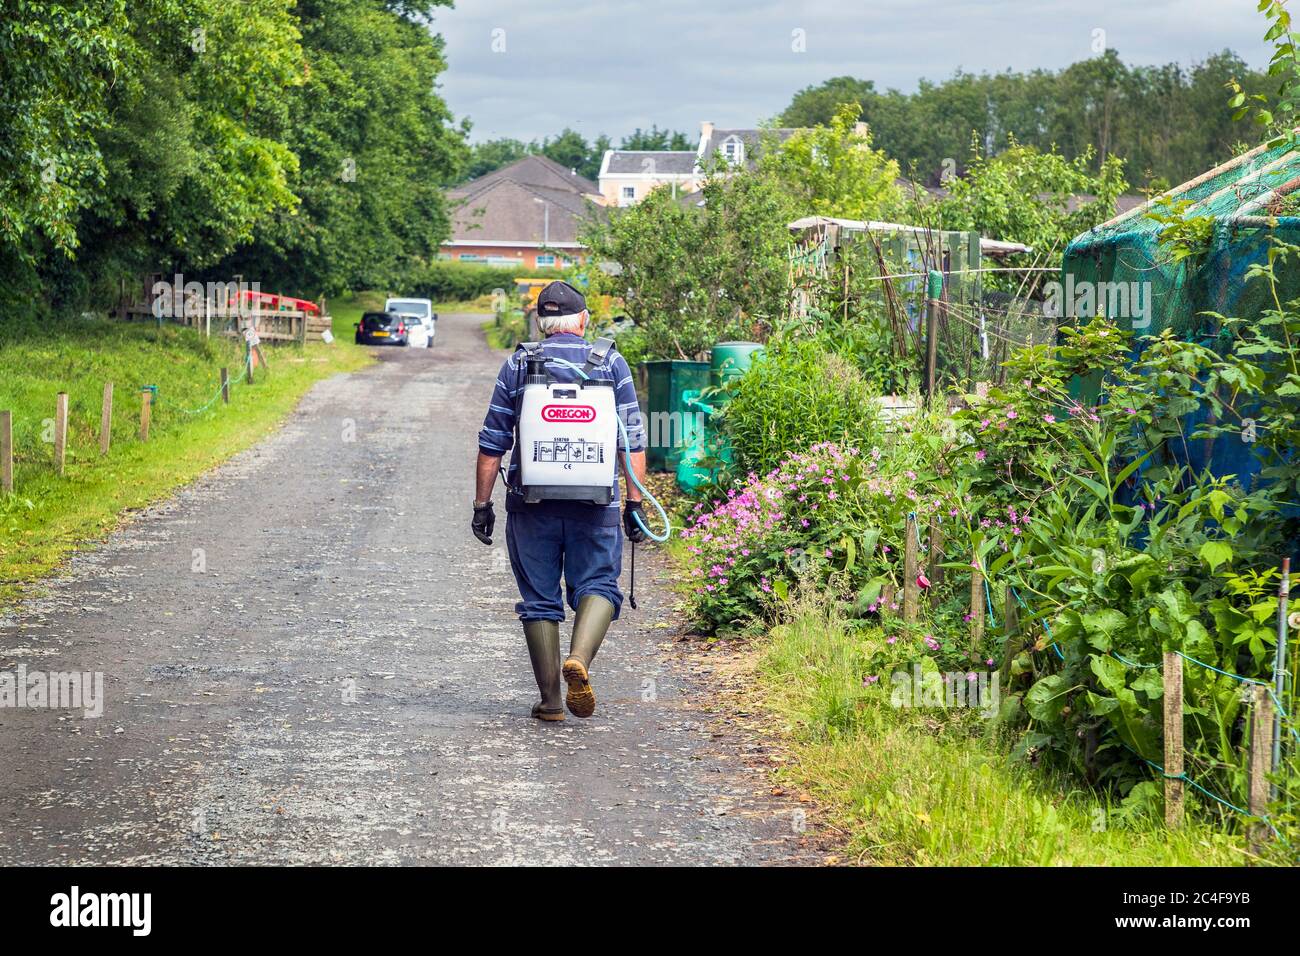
[379,335]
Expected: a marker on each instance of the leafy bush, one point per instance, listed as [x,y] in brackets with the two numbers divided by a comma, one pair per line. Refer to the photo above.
[831,517]
[444,281]
[797,394]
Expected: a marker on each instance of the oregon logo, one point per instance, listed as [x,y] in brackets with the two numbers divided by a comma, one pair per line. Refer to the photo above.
[568,413]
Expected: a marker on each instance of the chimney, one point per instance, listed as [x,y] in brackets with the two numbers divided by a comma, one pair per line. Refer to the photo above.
[706,130]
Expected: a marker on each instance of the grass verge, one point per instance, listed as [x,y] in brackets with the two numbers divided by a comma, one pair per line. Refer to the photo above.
[907,788]
[50,515]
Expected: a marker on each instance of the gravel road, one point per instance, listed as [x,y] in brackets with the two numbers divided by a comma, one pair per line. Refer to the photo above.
[308,659]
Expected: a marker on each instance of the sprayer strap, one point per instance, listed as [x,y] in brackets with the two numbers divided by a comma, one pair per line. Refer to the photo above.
[599,354]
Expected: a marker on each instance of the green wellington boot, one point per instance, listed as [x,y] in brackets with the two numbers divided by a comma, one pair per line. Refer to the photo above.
[589,626]
[543,639]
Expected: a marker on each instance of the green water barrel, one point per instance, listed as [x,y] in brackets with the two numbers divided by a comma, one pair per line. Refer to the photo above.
[731,360]
[668,420]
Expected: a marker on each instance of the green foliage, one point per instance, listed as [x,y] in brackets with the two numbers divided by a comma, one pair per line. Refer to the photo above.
[569,149]
[923,786]
[656,139]
[692,276]
[1165,121]
[211,138]
[445,281]
[833,170]
[492,154]
[50,515]
[1278,116]
[1024,195]
[800,392]
[370,191]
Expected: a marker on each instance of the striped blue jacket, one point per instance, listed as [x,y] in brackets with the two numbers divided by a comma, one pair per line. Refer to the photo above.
[497,435]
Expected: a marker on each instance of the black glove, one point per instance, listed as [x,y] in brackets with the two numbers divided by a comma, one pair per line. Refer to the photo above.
[485,519]
[635,533]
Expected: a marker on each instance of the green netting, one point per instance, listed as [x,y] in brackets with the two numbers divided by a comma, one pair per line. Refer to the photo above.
[1137,283]
[1126,255]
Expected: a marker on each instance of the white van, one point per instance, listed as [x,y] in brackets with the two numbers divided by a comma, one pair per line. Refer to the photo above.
[419,309]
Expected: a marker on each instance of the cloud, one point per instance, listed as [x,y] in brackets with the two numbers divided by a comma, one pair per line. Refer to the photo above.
[614,65]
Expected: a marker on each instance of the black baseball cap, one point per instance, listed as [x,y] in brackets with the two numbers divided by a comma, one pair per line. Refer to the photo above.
[560,298]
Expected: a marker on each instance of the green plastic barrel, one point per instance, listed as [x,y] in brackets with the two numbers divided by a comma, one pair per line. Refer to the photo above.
[731,360]
[669,423]
[709,453]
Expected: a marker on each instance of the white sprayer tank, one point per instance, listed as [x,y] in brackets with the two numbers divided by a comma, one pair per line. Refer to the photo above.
[568,441]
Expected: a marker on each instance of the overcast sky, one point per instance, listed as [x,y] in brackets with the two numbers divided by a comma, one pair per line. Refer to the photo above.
[528,68]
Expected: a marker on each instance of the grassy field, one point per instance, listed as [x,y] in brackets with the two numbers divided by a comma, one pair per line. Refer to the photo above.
[48,516]
[915,787]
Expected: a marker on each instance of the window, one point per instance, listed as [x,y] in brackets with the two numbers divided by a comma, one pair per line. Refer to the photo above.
[733,150]
[470,257]
[627,195]
[545,260]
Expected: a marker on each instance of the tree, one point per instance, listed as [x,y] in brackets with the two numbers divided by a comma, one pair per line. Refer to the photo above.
[833,170]
[302,144]
[655,139]
[376,146]
[492,154]
[693,275]
[1024,195]
[1167,122]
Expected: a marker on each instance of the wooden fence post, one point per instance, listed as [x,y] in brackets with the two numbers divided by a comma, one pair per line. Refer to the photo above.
[7,452]
[976,606]
[1261,752]
[911,590]
[146,412]
[225,386]
[60,431]
[886,599]
[106,420]
[1010,631]
[936,551]
[1173,706]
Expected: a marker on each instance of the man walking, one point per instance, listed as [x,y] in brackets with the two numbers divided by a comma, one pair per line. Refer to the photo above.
[548,540]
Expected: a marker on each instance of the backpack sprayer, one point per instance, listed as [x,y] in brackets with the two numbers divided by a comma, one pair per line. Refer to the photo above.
[567,436]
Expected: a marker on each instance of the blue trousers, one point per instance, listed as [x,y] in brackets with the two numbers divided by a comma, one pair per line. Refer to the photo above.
[544,547]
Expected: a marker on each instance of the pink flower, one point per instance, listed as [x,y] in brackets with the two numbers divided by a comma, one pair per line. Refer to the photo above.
[981,455]
[1049,418]
[922,581]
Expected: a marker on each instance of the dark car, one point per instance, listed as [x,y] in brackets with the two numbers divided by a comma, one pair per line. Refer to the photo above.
[382,328]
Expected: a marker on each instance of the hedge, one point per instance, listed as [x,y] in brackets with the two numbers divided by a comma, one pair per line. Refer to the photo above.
[444,281]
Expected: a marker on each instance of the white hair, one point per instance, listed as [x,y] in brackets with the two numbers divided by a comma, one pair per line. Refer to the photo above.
[550,324]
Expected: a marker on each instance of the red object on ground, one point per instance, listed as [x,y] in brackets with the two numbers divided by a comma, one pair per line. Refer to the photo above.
[270,300]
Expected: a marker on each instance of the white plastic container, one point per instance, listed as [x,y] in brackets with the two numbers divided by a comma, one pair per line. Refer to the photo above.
[568,441]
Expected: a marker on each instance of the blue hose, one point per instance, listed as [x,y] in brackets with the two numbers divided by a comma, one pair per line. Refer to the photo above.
[631,475]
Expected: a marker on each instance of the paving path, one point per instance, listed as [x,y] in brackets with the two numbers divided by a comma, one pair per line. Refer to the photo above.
[307,658]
